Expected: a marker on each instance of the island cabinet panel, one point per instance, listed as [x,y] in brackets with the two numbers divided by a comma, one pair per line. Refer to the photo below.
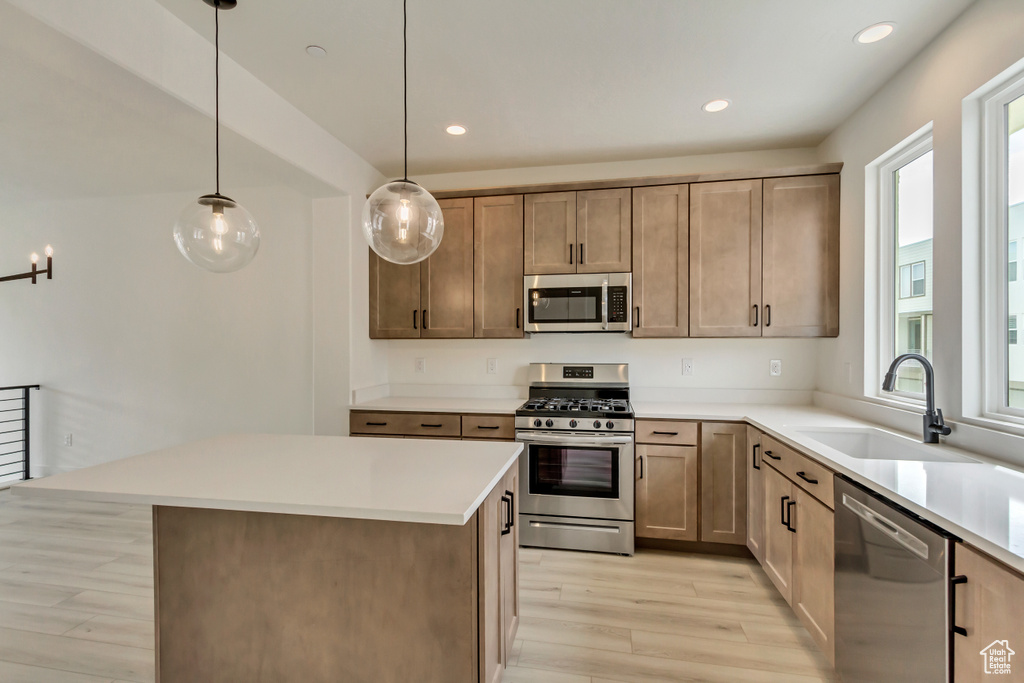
[510,565]
[667,491]
[338,599]
[549,233]
[394,299]
[603,229]
[499,571]
[661,266]
[801,256]
[814,570]
[725,259]
[778,538]
[498,267]
[723,483]
[755,495]
[446,277]
[989,607]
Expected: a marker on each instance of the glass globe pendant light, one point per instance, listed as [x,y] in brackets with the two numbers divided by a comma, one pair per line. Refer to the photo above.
[402,222]
[215,232]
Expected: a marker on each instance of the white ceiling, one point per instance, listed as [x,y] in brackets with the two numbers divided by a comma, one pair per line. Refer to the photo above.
[541,82]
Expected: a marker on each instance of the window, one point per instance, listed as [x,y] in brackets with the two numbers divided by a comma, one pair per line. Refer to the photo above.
[912,280]
[1011,334]
[1011,265]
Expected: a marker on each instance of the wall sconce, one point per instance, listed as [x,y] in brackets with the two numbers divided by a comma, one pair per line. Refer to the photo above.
[35,272]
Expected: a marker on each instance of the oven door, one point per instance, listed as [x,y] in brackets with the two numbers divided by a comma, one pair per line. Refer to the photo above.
[577,475]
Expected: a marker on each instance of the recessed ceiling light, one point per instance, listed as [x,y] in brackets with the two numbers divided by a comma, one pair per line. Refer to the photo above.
[874,33]
[456,130]
[315,51]
[715,105]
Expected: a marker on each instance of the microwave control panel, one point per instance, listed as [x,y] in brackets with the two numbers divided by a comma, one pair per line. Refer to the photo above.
[618,310]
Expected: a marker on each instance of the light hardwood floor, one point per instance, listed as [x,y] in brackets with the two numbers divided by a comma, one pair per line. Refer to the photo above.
[76,606]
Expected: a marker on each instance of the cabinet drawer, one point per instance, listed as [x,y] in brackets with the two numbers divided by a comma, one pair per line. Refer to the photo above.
[667,432]
[489,427]
[806,473]
[408,424]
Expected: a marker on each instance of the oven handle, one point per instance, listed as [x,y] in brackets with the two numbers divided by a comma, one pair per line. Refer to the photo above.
[604,299]
[587,440]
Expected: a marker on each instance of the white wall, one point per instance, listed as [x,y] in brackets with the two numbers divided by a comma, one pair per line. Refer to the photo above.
[979,45]
[734,364]
[138,349]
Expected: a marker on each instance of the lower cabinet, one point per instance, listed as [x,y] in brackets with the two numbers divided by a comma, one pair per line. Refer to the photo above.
[499,572]
[755,496]
[400,424]
[723,483]
[989,607]
[666,492]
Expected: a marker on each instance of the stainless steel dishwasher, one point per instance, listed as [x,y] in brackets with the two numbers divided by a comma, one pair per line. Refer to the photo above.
[892,591]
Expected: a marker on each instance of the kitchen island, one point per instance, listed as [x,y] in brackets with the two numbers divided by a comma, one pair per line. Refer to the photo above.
[323,558]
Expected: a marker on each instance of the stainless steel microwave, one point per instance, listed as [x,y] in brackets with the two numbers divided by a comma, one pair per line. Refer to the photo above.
[582,302]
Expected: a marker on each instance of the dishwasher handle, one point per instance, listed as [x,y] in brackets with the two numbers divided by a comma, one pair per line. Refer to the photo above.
[954,582]
[887,527]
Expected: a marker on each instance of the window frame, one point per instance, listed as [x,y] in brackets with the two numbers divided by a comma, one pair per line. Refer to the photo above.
[882,178]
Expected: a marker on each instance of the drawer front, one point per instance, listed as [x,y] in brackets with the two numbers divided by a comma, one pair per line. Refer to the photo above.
[489,427]
[806,473]
[666,432]
[408,424]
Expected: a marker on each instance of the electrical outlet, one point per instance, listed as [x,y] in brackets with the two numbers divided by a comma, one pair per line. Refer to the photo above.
[687,366]
[67,439]
[492,366]
[775,368]
[421,365]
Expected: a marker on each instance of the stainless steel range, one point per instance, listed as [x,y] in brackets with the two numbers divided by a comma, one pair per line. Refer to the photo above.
[576,471]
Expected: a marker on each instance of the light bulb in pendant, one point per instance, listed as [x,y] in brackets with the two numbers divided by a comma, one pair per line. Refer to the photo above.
[201,229]
[403,220]
[219,228]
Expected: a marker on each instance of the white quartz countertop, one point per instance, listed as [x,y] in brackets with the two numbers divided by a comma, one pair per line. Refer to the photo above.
[401,480]
[442,405]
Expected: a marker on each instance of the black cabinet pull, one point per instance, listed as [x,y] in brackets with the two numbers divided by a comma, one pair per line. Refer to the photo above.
[424,318]
[773,457]
[667,433]
[789,516]
[488,427]
[638,316]
[511,508]
[755,316]
[955,581]
[518,313]
[753,455]
[505,529]
[376,424]
[767,315]
[582,260]
[414,319]
[423,425]
[641,467]
[571,247]
[803,475]
[783,501]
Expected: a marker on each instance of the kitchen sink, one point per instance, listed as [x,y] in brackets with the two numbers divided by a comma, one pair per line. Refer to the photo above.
[870,443]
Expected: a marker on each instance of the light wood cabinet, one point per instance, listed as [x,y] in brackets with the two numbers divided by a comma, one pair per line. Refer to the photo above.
[510,565]
[989,607]
[666,492]
[814,569]
[498,271]
[800,254]
[499,572]
[723,482]
[399,424]
[577,232]
[725,259]
[661,266]
[778,539]
[755,495]
[431,299]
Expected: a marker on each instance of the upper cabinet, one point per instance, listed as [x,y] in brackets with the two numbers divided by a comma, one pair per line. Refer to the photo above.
[577,232]
[800,247]
[661,219]
[498,259]
[764,257]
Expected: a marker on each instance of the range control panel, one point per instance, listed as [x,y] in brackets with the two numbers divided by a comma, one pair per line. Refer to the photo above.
[578,372]
[618,309]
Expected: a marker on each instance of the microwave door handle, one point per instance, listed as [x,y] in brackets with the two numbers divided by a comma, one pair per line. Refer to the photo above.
[604,304]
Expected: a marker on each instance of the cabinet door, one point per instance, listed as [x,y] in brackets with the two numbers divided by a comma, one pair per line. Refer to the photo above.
[755,495]
[989,607]
[510,565]
[801,257]
[394,299]
[498,259]
[723,483]
[725,259]
[666,492]
[814,570]
[446,278]
[661,265]
[603,228]
[549,233]
[490,518]
[778,540]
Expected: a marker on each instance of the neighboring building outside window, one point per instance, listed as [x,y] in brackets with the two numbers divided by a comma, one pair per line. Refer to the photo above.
[1014,141]
[1011,335]
[912,280]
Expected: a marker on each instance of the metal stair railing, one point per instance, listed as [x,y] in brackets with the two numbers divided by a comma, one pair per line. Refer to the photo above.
[15,446]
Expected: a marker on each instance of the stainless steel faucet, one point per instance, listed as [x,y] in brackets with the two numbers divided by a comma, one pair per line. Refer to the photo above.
[933,424]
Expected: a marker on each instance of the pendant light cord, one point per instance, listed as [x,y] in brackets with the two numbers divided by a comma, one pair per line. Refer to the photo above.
[405,82]
[216,81]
